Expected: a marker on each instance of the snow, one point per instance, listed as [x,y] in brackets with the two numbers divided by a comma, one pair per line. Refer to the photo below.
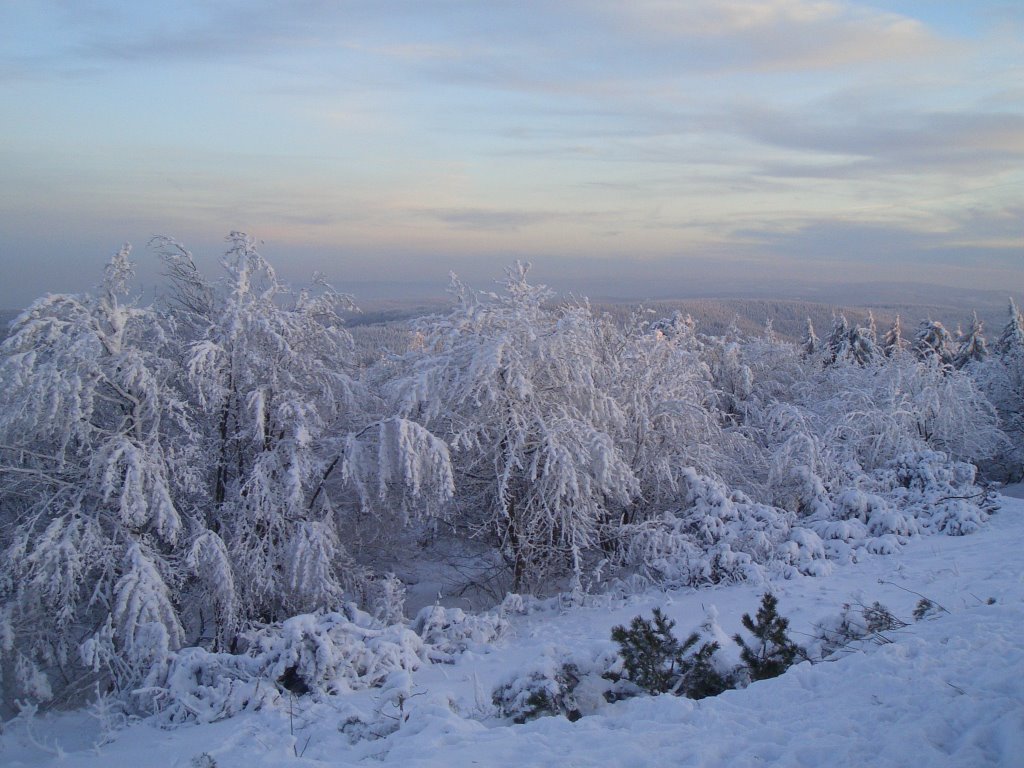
[946,691]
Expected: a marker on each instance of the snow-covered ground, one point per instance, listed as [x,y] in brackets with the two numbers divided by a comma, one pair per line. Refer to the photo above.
[947,691]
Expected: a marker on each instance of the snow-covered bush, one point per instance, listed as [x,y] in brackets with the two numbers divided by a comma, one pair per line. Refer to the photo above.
[563,683]
[803,552]
[451,631]
[939,494]
[855,624]
[722,536]
[913,494]
[321,654]
[333,653]
[203,686]
[546,689]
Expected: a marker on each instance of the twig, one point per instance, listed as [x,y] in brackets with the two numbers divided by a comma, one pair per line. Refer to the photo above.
[974,496]
[26,713]
[923,597]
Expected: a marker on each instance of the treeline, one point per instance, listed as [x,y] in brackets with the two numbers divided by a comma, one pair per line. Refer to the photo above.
[182,473]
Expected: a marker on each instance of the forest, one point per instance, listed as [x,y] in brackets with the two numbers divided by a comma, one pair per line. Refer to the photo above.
[221,486]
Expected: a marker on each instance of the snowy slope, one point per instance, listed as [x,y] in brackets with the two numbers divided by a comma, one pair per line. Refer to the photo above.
[947,691]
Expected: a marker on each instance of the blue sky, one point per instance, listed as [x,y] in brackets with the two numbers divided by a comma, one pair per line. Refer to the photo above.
[646,147]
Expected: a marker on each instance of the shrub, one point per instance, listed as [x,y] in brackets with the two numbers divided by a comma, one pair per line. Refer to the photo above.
[547,691]
[854,623]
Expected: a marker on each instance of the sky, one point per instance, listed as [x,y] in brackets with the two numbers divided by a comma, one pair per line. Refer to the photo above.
[630,148]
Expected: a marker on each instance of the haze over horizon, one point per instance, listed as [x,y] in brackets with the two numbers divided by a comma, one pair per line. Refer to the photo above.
[645,147]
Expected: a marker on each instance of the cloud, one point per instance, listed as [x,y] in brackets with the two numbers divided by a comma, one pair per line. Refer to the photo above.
[768,35]
[965,244]
[488,219]
[873,144]
[520,46]
[753,129]
[913,137]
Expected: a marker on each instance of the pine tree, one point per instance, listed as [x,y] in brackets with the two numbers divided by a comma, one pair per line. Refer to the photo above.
[651,654]
[933,342]
[1011,340]
[655,660]
[811,343]
[861,347]
[893,342]
[771,652]
[838,342]
[972,348]
[702,678]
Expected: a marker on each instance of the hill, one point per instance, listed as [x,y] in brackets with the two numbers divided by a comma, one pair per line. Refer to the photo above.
[935,692]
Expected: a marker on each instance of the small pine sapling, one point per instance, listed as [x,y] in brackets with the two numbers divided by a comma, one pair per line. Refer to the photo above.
[656,661]
[772,652]
[652,656]
[702,679]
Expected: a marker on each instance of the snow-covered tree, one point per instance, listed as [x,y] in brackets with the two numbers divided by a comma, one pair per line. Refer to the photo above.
[1012,337]
[1001,377]
[668,422]
[838,342]
[811,343]
[893,341]
[972,347]
[678,326]
[96,454]
[174,477]
[862,348]
[517,388]
[856,343]
[873,415]
[272,376]
[933,341]
[799,462]
[732,377]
